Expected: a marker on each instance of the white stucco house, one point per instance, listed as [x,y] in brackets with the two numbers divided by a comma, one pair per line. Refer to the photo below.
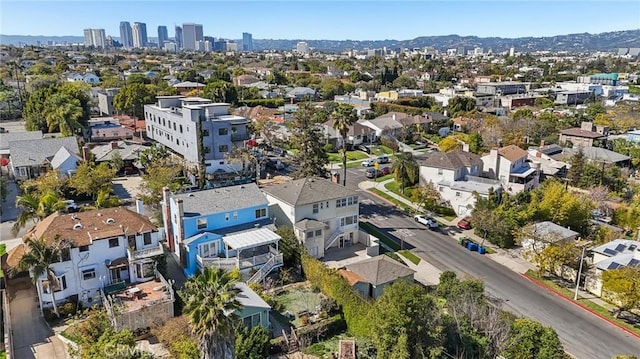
[613,255]
[456,176]
[509,165]
[323,214]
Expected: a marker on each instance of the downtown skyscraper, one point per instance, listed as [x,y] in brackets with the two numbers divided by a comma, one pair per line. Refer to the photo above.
[178,37]
[139,34]
[163,36]
[95,38]
[191,36]
[247,41]
[126,35]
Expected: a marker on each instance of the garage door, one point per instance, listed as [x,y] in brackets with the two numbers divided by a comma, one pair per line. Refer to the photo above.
[463,211]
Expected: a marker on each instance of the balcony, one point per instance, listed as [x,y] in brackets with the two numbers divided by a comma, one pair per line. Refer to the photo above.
[240,263]
[235,137]
[216,262]
[145,253]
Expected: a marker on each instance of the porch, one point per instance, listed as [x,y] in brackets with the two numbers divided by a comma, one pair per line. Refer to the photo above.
[156,250]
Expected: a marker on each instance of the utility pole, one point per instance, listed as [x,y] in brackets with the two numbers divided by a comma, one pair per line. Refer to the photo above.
[575,296]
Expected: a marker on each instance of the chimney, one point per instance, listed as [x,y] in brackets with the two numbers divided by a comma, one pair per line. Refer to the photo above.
[139,206]
[496,166]
[114,145]
[166,217]
[86,153]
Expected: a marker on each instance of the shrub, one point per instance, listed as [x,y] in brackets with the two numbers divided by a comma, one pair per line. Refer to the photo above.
[266,102]
[175,335]
[329,148]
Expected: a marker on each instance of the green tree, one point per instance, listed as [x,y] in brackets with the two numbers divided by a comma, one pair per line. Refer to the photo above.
[406,312]
[554,256]
[289,246]
[116,161]
[552,202]
[34,112]
[623,286]
[90,179]
[307,137]
[459,106]
[155,178]
[405,170]
[576,170]
[529,339]
[35,208]
[132,98]
[105,198]
[344,116]
[426,196]
[38,258]
[154,155]
[63,114]
[210,304]
[221,91]
[252,343]
[79,91]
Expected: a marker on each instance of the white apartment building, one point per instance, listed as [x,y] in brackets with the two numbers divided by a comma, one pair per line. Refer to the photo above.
[509,165]
[173,120]
[100,248]
[95,38]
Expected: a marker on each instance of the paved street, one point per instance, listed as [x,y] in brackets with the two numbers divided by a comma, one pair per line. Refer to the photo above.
[583,334]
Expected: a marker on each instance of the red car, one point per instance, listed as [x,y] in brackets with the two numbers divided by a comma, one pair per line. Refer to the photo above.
[465,223]
[385,171]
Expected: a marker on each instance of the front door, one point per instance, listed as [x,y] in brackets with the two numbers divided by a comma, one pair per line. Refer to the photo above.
[116,275]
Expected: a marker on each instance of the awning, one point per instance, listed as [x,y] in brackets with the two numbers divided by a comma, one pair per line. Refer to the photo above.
[523,174]
[118,263]
[250,239]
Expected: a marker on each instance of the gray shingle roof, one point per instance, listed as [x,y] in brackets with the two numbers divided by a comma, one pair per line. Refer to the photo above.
[35,152]
[451,160]
[128,151]
[61,156]
[597,154]
[380,270]
[18,136]
[220,200]
[308,190]
[548,228]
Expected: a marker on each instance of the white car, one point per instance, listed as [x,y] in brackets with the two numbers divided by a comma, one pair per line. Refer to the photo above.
[427,221]
[368,162]
[70,206]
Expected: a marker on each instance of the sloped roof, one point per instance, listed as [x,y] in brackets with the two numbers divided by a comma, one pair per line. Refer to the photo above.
[451,160]
[380,270]
[128,151]
[5,138]
[249,298]
[578,132]
[307,190]
[617,246]
[188,84]
[512,152]
[35,152]
[90,225]
[61,156]
[597,154]
[218,200]
[552,230]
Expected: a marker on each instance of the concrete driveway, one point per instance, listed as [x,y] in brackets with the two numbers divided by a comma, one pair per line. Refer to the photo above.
[32,337]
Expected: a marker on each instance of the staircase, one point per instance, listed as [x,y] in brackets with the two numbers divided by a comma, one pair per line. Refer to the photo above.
[333,238]
[274,262]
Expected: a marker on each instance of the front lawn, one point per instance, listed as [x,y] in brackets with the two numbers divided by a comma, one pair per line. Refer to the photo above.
[410,256]
[371,229]
[351,156]
[380,150]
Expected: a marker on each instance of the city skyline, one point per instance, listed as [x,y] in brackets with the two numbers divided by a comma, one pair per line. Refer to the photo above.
[330,20]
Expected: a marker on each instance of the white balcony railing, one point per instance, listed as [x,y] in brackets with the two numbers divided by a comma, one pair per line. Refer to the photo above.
[215,262]
[241,263]
[145,253]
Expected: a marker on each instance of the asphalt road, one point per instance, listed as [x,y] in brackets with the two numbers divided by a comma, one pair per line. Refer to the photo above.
[583,334]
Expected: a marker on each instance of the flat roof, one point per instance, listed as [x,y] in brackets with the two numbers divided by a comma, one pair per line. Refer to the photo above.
[252,238]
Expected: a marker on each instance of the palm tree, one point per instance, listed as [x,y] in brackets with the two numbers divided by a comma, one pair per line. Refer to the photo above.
[105,198]
[405,170]
[64,113]
[35,208]
[210,304]
[37,259]
[344,116]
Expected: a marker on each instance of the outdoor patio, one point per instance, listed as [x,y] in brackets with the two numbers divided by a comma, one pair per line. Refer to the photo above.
[339,257]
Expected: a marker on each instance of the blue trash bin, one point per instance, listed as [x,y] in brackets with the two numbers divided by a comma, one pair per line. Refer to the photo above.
[472,246]
[481,250]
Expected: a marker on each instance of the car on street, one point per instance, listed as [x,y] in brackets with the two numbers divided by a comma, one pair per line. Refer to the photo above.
[464,223]
[372,173]
[427,221]
[382,159]
[363,148]
[368,162]
[385,171]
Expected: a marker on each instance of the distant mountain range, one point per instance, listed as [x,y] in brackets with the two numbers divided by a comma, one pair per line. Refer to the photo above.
[572,42]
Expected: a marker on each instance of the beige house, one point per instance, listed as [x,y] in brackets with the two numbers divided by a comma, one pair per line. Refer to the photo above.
[371,276]
[587,135]
[323,214]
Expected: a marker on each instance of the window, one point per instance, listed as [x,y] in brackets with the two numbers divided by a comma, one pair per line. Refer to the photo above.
[59,284]
[235,215]
[251,321]
[146,238]
[202,223]
[208,250]
[174,126]
[180,128]
[262,212]
[83,248]
[352,201]
[345,221]
[440,171]
[315,208]
[223,131]
[205,133]
[223,148]
[113,242]
[458,194]
[440,188]
[88,274]
[207,150]
[145,270]
[318,232]
[342,202]
[309,235]
[169,122]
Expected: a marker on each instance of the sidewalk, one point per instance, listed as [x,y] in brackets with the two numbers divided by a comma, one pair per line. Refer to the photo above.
[8,210]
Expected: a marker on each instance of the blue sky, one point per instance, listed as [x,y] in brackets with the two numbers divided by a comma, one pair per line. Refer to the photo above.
[335,20]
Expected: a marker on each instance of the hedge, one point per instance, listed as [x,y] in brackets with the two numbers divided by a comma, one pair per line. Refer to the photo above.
[266,102]
[354,307]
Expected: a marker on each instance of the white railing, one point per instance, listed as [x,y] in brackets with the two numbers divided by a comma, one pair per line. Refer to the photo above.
[274,262]
[224,263]
[146,253]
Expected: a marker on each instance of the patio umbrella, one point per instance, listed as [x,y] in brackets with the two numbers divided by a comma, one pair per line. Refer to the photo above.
[252,143]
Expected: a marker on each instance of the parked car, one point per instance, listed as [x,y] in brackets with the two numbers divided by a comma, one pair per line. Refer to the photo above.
[275,164]
[70,206]
[372,173]
[385,171]
[465,223]
[382,159]
[427,221]
[363,148]
[368,162]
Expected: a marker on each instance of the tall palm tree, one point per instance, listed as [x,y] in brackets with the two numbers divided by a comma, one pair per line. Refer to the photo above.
[35,208]
[344,116]
[38,258]
[64,113]
[405,170]
[210,304]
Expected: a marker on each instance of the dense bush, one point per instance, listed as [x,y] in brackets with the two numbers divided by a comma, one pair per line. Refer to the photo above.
[354,307]
[390,142]
[174,334]
[266,102]
[330,148]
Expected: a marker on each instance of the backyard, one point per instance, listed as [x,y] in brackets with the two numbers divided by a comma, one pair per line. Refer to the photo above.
[295,303]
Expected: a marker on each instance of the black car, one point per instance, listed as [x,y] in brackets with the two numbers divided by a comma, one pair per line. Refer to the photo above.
[373,173]
[364,148]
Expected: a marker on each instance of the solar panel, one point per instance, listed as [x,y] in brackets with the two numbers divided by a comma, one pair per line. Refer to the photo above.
[620,247]
[610,251]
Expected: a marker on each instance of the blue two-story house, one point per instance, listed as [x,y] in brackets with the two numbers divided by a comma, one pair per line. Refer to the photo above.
[225,227]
